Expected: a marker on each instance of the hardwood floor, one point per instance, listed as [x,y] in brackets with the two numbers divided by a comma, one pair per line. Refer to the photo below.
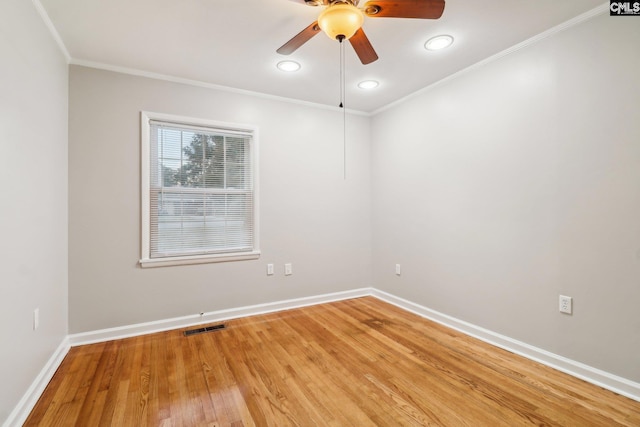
[360,362]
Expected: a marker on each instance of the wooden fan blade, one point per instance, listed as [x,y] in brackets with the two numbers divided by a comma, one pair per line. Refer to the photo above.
[363,47]
[299,39]
[422,9]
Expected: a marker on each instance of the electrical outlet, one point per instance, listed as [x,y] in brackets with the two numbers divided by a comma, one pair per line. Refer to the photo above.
[288,269]
[398,269]
[269,269]
[566,304]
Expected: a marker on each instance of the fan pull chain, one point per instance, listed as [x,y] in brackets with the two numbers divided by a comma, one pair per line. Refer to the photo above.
[344,109]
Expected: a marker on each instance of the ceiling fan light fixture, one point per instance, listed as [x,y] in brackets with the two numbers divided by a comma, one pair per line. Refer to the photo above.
[288,66]
[368,84]
[340,20]
[439,42]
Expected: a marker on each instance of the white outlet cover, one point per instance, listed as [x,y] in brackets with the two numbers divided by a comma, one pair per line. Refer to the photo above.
[288,270]
[566,304]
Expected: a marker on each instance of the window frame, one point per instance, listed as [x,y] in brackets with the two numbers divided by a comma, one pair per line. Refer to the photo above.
[145,186]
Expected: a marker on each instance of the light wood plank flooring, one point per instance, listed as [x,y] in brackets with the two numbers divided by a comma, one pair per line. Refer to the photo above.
[360,362]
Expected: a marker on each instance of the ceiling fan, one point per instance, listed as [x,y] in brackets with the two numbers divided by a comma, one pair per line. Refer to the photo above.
[342,19]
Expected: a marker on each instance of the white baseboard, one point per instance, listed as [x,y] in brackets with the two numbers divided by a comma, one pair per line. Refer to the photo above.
[590,374]
[587,373]
[22,410]
[210,317]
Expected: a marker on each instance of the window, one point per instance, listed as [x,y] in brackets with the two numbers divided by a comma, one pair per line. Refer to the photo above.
[198,191]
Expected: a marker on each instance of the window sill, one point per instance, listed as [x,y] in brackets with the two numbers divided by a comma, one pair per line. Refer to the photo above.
[197,259]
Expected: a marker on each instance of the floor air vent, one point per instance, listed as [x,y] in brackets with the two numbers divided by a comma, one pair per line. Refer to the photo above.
[203,330]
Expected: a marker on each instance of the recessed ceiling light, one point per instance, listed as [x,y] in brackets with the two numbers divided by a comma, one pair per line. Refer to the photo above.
[368,84]
[438,42]
[288,66]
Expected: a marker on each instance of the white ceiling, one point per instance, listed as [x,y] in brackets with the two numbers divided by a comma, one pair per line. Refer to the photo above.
[233,43]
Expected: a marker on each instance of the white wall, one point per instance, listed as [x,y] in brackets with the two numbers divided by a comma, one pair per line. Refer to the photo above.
[33,201]
[496,191]
[309,215]
[519,181]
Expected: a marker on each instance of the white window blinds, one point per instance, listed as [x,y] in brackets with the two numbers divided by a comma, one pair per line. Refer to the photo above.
[201,191]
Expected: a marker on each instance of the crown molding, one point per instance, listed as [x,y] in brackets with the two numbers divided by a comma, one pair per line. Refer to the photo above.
[174,79]
[604,8]
[198,83]
[52,29]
